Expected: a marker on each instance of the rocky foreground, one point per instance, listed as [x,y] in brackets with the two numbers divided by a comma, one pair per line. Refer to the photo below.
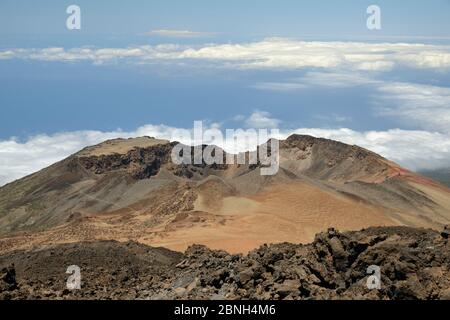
[414,264]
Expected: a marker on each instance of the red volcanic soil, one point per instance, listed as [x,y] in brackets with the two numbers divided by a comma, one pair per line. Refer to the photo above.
[406,175]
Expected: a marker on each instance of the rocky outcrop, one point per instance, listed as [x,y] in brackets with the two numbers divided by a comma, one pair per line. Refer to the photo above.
[143,163]
[140,163]
[8,281]
[413,264]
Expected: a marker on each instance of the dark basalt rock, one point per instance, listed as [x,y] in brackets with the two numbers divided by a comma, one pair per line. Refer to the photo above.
[446,232]
[139,163]
[414,264]
[7,280]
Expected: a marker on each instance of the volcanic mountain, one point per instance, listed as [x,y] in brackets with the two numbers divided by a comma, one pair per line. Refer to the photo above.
[129,189]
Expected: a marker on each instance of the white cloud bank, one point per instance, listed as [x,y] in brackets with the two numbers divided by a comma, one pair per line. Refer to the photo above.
[412,149]
[424,106]
[273,53]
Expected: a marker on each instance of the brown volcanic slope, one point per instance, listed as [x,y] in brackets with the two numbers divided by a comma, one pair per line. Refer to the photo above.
[130,190]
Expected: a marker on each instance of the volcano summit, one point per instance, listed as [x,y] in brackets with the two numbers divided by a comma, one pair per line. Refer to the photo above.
[129,189]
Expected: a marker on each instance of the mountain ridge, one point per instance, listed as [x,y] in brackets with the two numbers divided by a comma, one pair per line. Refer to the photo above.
[130,189]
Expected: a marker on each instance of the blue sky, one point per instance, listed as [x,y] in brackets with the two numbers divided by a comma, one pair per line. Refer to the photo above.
[232,18]
[305,66]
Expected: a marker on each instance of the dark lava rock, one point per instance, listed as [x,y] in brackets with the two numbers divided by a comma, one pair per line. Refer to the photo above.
[8,278]
[412,264]
[446,232]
